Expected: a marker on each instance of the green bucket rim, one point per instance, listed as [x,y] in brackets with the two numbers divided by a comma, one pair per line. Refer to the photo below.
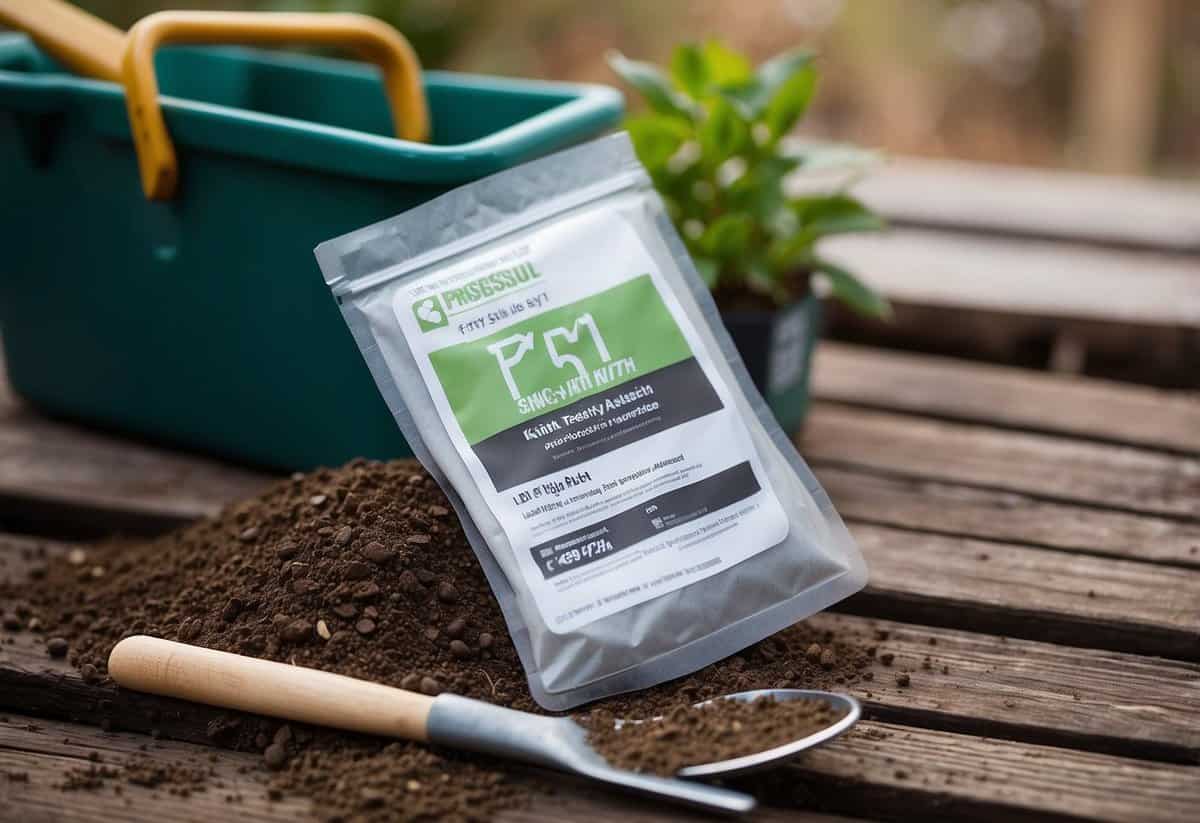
[318,146]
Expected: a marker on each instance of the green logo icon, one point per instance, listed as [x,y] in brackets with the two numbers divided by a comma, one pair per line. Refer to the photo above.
[429,314]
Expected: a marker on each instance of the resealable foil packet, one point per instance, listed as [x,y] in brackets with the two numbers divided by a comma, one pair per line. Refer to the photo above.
[551,355]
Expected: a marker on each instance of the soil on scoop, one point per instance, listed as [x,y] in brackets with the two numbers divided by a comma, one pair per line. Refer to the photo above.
[363,571]
[708,733]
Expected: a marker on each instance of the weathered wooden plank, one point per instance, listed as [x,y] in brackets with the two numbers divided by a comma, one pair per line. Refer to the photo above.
[1013,398]
[77,477]
[862,494]
[880,770]
[918,774]
[72,478]
[1036,692]
[1046,279]
[1029,691]
[83,481]
[1129,352]
[943,508]
[585,802]
[1043,466]
[48,752]
[45,751]
[994,199]
[1020,591]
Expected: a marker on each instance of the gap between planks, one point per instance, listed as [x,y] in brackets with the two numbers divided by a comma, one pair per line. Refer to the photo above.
[1025,203]
[934,507]
[86,482]
[57,473]
[932,775]
[1045,467]
[55,747]
[1035,692]
[1028,277]
[880,770]
[1020,399]
[1033,593]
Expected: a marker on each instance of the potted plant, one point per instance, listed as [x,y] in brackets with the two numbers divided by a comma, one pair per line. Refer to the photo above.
[713,142]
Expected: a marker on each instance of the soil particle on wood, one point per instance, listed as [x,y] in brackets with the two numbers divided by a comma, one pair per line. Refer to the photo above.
[384,588]
[709,733]
[176,777]
[179,776]
[275,756]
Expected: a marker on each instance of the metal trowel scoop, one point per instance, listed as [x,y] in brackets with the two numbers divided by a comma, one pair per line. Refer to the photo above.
[309,696]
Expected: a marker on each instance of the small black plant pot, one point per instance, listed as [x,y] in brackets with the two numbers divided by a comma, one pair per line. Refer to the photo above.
[777,349]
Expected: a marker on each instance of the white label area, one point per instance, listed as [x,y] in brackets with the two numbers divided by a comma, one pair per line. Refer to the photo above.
[590,415]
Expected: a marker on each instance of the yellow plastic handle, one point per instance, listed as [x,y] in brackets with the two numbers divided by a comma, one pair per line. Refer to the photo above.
[75,38]
[371,39]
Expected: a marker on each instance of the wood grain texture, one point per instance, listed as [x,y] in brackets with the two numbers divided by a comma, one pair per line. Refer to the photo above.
[880,770]
[65,478]
[1036,692]
[80,480]
[1042,466]
[995,686]
[919,774]
[1034,277]
[1130,352]
[1033,593]
[962,511]
[1032,203]
[48,750]
[952,389]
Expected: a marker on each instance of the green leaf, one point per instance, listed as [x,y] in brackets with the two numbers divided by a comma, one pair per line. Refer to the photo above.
[835,214]
[746,98]
[723,133]
[789,102]
[772,74]
[726,67]
[756,90]
[760,189]
[689,70]
[708,269]
[819,216]
[652,83]
[727,237]
[852,291]
[793,251]
[656,138]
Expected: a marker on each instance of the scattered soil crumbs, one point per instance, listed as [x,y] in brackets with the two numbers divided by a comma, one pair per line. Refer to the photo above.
[362,571]
[720,730]
[175,777]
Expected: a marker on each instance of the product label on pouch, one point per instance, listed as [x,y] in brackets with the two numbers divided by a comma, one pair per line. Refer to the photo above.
[590,416]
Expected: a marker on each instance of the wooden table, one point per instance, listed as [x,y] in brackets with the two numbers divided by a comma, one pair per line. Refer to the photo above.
[1045,531]
[1082,273]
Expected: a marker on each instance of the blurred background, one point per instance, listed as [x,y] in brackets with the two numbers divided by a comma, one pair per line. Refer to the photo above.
[1096,85]
[1042,157]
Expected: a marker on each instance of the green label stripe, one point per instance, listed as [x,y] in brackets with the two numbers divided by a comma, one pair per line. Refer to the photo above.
[560,356]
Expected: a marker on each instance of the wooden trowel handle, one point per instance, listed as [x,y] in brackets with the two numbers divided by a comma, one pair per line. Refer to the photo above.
[232,681]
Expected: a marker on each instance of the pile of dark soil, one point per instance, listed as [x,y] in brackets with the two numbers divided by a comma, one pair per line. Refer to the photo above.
[363,571]
[709,733]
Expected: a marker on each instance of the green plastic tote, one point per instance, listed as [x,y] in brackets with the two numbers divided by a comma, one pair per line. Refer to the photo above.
[201,321]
